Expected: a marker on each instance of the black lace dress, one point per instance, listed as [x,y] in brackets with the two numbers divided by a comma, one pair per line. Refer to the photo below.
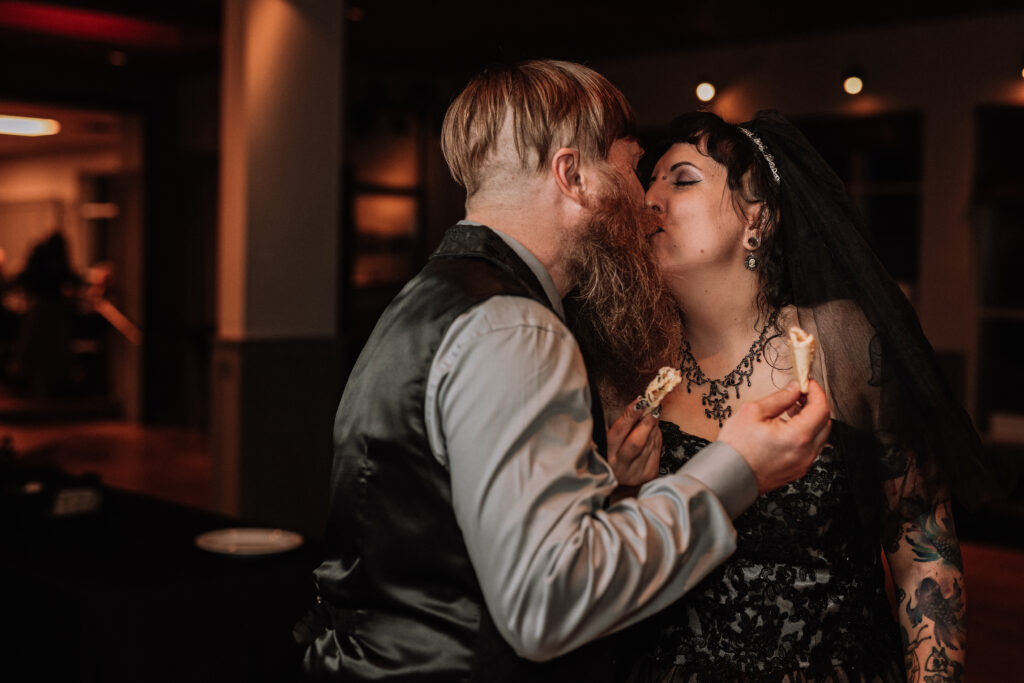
[800,600]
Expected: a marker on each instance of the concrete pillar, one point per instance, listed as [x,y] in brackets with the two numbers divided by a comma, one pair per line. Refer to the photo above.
[275,367]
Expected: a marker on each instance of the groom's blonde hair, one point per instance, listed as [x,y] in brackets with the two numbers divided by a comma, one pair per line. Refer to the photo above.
[542,105]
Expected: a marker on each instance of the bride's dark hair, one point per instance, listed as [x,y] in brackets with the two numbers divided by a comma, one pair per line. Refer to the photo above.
[749,176]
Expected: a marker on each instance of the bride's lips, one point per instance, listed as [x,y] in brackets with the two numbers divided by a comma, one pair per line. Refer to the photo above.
[655,223]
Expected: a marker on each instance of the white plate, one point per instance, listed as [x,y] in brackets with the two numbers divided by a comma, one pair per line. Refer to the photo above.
[248,541]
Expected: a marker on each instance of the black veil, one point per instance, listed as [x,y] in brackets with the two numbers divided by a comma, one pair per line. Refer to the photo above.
[878,369]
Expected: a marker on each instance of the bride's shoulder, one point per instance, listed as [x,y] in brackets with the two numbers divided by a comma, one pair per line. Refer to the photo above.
[788,317]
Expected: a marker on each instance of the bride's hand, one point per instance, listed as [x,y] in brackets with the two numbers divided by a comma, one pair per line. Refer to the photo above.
[634,447]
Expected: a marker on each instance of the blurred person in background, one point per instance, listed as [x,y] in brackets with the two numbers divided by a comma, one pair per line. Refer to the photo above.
[41,366]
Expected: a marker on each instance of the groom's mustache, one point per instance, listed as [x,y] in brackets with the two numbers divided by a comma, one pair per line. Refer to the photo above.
[658,223]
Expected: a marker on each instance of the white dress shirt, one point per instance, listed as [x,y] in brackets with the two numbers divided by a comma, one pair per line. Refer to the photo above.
[508,413]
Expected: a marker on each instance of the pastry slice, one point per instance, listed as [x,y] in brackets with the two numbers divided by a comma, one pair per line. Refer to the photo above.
[666,380]
[801,348]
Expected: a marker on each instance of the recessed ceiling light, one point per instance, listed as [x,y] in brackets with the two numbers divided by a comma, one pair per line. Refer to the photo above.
[853,81]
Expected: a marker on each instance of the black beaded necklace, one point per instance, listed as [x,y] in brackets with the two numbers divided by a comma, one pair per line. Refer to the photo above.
[715,401]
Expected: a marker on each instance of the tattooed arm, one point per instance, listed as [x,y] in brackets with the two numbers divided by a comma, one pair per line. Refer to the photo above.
[927,570]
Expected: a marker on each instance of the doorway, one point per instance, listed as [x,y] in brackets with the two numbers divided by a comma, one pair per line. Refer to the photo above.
[71,265]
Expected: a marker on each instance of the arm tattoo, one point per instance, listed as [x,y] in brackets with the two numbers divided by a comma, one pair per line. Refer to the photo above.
[945,613]
[932,605]
[939,668]
[910,658]
[936,543]
[946,625]
[928,573]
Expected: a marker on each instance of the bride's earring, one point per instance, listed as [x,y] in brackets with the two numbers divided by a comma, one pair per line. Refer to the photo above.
[751,262]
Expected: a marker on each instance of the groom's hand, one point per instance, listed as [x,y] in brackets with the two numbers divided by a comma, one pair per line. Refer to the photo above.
[634,447]
[779,448]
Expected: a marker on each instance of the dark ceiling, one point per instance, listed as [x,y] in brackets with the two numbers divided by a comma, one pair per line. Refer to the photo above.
[446,34]
[457,36]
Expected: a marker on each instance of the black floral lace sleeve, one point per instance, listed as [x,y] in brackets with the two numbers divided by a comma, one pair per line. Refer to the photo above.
[800,600]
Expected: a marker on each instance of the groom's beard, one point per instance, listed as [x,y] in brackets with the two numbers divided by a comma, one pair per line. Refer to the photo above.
[625,320]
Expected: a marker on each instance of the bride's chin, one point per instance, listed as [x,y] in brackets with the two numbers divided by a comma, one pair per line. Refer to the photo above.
[664,255]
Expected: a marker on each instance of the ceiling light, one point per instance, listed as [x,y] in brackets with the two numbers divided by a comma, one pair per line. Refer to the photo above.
[853,85]
[853,81]
[705,92]
[28,126]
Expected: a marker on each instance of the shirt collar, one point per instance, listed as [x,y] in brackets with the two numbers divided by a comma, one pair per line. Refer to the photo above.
[533,263]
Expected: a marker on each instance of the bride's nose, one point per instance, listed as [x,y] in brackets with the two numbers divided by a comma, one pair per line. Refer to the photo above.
[651,201]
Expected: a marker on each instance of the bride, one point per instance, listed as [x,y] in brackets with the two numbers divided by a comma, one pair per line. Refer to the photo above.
[758,235]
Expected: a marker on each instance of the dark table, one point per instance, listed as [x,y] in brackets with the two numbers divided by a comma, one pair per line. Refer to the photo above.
[123,594]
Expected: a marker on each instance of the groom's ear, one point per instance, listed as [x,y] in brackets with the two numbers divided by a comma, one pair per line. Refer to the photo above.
[568,173]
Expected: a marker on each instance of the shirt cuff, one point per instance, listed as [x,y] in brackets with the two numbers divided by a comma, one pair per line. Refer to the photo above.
[726,473]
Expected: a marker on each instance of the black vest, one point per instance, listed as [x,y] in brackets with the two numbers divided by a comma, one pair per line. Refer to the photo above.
[399,599]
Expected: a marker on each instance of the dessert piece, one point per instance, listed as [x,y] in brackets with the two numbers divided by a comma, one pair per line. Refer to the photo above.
[801,349]
[666,380]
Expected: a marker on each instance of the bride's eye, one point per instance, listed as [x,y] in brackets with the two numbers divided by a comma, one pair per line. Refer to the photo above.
[686,176]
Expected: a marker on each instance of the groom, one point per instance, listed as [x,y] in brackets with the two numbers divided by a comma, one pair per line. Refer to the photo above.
[471,535]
